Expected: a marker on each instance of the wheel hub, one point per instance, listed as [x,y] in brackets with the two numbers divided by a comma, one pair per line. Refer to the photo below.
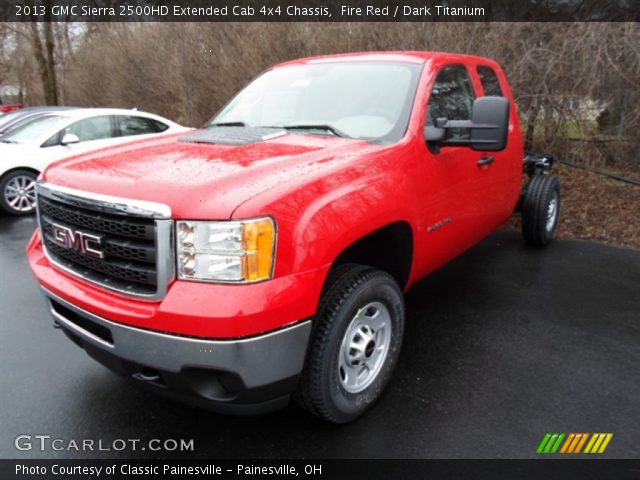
[20,194]
[364,347]
[371,346]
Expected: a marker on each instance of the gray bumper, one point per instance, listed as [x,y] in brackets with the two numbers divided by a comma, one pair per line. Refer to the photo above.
[257,361]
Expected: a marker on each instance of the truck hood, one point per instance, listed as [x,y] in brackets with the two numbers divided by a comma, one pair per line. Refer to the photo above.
[202,180]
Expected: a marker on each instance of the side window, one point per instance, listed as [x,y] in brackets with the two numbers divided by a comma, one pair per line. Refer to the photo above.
[452,97]
[158,125]
[95,128]
[139,125]
[53,140]
[490,82]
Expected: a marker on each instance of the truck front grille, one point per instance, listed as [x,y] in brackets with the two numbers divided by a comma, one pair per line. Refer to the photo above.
[134,247]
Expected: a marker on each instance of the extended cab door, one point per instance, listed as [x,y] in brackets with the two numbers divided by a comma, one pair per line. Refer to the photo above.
[461,198]
[505,173]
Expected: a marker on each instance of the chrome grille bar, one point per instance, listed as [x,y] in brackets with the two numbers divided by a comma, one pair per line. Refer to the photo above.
[111,217]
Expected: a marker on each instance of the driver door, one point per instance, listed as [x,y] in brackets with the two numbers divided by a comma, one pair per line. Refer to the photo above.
[459,203]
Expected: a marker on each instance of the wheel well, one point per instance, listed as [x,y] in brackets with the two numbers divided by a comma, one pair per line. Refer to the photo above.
[389,248]
[33,170]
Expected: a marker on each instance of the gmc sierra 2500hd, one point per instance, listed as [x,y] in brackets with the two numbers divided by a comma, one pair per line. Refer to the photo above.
[266,255]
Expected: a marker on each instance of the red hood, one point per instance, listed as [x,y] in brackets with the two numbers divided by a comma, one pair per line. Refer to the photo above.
[199,180]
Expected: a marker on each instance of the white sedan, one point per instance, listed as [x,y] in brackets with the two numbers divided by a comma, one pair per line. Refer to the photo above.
[30,148]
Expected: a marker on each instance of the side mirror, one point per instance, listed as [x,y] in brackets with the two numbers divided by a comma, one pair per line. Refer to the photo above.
[489,126]
[69,139]
[493,114]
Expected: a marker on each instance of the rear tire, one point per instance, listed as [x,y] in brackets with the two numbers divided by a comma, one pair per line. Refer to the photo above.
[355,344]
[18,192]
[540,209]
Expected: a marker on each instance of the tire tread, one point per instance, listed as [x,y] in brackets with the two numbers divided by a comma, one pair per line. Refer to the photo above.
[534,208]
[340,285]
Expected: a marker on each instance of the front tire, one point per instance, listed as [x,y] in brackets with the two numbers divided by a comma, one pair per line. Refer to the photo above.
[18,192]
[355,344]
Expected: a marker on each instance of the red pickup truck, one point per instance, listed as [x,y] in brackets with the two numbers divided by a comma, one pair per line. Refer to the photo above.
[266,255]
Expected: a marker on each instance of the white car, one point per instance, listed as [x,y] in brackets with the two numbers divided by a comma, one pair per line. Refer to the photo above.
[30,148]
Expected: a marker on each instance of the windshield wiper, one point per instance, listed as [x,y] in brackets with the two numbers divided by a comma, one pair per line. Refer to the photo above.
[8,141]
[313,126]
[227,124]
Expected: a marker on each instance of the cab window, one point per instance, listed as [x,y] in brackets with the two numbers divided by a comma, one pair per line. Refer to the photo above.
[452,98]
[489,81]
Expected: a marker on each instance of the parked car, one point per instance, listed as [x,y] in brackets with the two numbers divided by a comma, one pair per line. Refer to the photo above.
[19,117]
[4,109]
[267,255]
[27,149]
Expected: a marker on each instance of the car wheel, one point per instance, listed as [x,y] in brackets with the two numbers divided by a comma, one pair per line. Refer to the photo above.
[18,192]
[540,209]
[355,343]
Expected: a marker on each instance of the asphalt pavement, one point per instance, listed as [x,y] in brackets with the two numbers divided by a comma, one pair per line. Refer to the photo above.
[503,345]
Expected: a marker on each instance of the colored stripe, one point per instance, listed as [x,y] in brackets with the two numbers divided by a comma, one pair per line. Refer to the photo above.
[575,442]
[568,442]
[543,443]
[596,446]
[591,442]
[584,439]
[550,443]
[554,449]
[606,442]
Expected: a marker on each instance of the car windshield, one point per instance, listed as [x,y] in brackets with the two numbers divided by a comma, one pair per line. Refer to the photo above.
[35,128]
[22,121]
[7,118]
[359,99]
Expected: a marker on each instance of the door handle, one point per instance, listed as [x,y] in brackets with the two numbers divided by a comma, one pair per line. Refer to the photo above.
[484,161]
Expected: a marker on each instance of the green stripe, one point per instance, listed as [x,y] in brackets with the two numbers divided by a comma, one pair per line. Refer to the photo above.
[550,443]
[543,443]
[558,442]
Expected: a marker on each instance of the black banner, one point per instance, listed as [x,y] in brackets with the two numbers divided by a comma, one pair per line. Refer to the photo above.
[321,469]
[319,10]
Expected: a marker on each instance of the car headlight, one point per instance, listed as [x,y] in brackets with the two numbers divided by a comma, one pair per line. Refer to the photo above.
[226,251]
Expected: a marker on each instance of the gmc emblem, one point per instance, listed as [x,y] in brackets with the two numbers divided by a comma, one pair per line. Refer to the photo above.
[84,243]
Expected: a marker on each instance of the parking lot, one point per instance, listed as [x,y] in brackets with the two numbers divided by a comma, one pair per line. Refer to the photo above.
[502,345]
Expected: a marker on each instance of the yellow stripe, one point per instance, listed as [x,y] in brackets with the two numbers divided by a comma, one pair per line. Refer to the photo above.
[584,439]
[605,443]
[591,442]
[574,443]
[595,447]
[567,442]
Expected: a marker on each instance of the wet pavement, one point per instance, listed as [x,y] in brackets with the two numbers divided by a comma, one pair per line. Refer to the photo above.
[502,345]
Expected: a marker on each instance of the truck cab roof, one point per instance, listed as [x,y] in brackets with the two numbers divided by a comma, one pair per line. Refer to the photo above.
[391,56]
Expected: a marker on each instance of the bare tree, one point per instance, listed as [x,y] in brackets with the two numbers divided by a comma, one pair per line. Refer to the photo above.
[563,75]
[43,45]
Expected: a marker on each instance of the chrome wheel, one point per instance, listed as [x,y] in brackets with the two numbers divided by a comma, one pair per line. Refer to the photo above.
[20,193]
[552,212]
[364,347]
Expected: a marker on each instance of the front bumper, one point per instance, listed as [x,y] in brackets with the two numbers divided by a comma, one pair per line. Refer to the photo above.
[247,375]
[191,309]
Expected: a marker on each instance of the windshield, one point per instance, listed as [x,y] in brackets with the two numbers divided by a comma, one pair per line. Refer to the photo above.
[359,100]
[22,121]
[35,128]
[7,118]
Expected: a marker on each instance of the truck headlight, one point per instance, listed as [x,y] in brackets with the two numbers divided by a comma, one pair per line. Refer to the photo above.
[226,251]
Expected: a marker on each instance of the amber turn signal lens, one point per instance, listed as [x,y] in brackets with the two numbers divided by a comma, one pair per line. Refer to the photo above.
[258,241]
